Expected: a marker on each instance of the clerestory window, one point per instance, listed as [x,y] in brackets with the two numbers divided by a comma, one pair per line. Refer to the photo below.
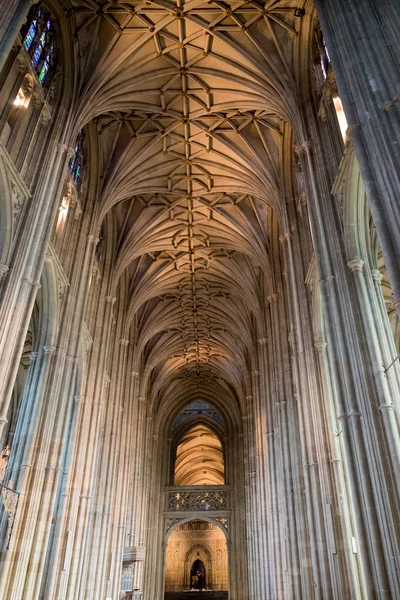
[39,41]
[77,160]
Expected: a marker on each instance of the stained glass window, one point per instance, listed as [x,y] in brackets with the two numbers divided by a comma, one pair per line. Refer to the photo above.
[39,49]
[325,60]
[73,159]
[39,42]
[77,174]
[75,166]
[30,36]
[44,69]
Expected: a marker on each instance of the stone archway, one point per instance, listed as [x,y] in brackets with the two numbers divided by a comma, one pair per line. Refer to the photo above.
[198,552]
[191,541]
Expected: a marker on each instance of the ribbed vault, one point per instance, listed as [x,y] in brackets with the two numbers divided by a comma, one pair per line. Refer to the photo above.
[199,458]
[190,100]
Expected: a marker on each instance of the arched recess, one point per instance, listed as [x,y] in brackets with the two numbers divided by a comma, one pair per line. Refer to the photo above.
[207,540]
[198,552]
[42,335]
[6,220]
[170,406]
[180,432]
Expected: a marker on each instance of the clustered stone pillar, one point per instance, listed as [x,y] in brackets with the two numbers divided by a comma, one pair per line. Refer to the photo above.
[313,447]
[363,39]
[361,423]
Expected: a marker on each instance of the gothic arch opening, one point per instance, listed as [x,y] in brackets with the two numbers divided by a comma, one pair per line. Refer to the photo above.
[196,558]
[198,453]
[199,457]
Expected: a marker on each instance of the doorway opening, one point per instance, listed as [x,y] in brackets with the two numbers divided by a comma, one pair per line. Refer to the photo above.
[196,559]
[198,575]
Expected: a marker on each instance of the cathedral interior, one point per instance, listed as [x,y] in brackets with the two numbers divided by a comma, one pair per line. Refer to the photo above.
[199,299]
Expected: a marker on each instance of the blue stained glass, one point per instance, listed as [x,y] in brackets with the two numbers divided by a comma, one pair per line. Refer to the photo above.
[39,49]
[30,36]
[48,24]
[45,68]
[73,159]
[77,174]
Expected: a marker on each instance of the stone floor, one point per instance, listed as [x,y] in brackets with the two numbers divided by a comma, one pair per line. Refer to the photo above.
[193,595]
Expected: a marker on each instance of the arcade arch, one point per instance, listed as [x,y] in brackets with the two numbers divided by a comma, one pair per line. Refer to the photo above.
[192,542]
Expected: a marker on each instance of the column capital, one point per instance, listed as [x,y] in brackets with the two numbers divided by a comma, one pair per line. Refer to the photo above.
[299,149]
[396,303]
[285,237]
[281,402]
[273,297]
[352,128]
[110,299]
[352,414]
[262,341]
[377,275]
[134,374]
[356,264]
[320,346]
[49,349]
[123,342]
[62,147]
[34,284]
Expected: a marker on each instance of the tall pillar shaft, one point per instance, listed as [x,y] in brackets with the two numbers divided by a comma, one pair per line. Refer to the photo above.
[363,41]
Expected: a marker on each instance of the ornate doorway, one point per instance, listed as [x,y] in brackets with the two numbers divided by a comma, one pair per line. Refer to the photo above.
[198,575]
[196,558]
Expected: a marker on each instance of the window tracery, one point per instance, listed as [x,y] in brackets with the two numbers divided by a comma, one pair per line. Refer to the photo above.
[77,160]
[39,42]
[328,81]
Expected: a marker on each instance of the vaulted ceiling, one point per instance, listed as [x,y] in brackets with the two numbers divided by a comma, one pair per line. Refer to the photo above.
[199,458]
[189,98]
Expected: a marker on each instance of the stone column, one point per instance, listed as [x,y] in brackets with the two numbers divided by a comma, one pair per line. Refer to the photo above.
[260,500]
[86,449]
[283,437]
[109,490]
[362,37]
[28,480]
[121,495]
[312,454]
[389,417]
[12,16]
[22,281]
[250,507]
[372,508]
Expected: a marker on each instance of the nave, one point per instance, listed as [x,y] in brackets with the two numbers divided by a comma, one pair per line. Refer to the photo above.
[199,300]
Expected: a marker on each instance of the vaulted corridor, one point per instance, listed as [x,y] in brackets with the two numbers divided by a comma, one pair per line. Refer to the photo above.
[199,300]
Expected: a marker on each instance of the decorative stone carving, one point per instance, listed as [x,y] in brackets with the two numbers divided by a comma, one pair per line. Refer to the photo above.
[9,496]
[203,499]
[3,462]
[3,270]
[17,202]
[62,279]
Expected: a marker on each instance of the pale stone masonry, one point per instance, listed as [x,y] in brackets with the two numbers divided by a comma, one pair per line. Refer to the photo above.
[199,299]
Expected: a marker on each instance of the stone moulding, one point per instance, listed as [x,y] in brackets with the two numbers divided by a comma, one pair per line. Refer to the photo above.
[197,498]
